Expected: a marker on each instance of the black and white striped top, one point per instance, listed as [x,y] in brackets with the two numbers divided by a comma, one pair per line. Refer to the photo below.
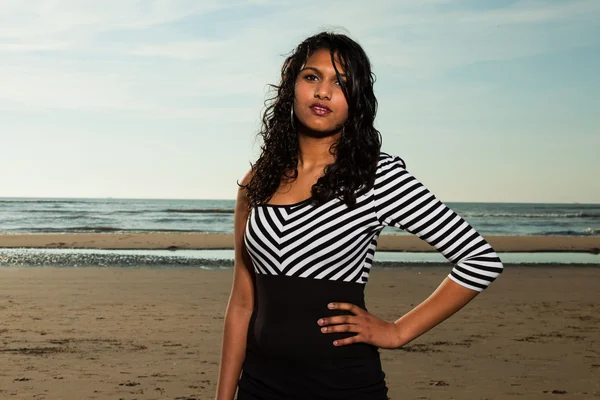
[335,242]
[306,256]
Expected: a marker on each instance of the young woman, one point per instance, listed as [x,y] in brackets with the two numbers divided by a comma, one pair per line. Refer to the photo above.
[307,220]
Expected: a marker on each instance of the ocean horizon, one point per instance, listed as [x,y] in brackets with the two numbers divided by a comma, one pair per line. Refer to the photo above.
[20,215]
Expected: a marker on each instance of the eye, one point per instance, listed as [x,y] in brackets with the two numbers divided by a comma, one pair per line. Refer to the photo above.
[310,77]
[338,82]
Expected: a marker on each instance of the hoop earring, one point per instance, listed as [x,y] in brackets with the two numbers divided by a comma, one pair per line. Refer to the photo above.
[292,117]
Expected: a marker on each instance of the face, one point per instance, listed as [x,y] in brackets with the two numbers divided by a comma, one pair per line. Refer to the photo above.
[319,102]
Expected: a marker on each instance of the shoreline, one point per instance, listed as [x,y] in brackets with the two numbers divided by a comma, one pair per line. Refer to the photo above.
[224,259]
[224,241]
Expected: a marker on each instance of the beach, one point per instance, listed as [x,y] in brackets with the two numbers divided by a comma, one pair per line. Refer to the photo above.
[155,333]
[152,148]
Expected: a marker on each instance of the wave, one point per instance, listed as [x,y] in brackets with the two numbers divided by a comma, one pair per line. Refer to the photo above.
[586,232]
[132,211]
[77,229]
[542,215]
[40,201]
[96,229]
[200,211]
[52,211]
[72,217]
[173,220]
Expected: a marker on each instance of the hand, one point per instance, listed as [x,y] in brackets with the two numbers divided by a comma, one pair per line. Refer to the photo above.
[368,327]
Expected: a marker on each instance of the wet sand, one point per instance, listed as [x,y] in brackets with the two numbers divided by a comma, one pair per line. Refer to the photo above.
[150,333]
[199,240]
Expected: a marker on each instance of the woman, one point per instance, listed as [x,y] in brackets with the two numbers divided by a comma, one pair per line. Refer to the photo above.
[307,220]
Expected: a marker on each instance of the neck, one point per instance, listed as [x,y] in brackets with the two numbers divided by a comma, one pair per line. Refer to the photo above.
[314,152]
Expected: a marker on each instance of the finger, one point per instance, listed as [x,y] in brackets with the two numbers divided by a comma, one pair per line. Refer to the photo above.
[354,309]
[347,341]
[338,319]
[340,328]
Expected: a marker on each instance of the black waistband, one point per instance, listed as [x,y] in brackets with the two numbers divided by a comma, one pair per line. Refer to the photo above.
[284,323]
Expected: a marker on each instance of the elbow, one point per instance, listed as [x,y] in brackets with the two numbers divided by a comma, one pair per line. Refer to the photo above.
[499,265]
[242,302]
[238,312]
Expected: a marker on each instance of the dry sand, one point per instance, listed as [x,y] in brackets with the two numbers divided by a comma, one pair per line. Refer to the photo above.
[589,244]
[116,333]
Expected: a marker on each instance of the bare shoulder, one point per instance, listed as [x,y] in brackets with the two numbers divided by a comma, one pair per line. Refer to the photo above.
[242,199]
[246,178]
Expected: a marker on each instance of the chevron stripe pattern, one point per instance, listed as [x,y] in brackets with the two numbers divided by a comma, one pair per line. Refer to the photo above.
[335,242]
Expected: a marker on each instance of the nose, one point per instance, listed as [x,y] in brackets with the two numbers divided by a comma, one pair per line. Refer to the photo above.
[323,91]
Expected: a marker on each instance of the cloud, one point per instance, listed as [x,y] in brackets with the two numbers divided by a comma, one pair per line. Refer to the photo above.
[32,47]
[36,18]
[188,50]
[63,54]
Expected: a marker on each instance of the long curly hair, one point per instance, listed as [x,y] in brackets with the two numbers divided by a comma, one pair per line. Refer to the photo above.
[356,152]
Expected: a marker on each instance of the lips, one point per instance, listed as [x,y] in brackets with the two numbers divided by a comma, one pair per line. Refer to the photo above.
[320,109]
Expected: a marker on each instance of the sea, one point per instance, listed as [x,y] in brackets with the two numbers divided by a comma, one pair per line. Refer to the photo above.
[108,215]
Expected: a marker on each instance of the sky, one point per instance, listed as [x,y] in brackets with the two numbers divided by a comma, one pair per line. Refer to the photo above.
[486,101]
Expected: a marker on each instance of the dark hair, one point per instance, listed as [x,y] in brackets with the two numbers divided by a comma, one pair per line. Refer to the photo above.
[356,152]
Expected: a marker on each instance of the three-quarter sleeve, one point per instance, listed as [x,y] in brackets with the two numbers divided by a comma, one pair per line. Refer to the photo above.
[402,201]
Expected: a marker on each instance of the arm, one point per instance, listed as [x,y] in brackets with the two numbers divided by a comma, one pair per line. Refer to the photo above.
[239,308]
[404,202]
[447,299]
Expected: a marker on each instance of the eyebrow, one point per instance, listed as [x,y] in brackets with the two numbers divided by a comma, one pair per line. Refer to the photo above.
[318,71]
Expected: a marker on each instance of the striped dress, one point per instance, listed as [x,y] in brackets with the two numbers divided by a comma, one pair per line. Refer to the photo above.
[306,256]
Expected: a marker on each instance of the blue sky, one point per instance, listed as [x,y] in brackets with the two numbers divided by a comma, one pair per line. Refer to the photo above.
[485,101]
